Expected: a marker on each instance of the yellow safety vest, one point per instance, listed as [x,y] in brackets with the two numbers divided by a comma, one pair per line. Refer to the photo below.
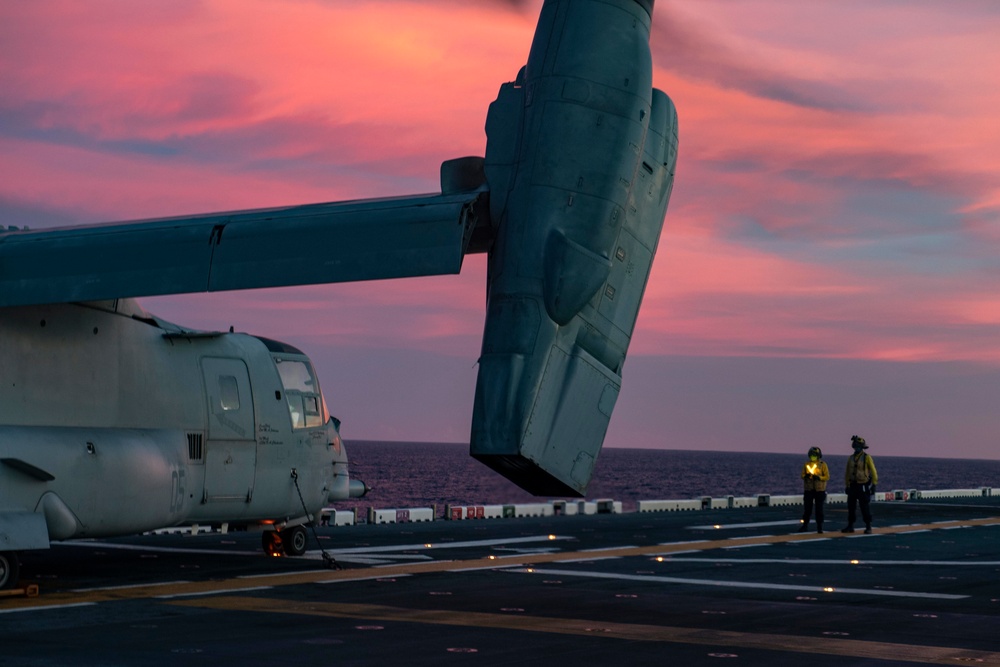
[860,470]
[818,468]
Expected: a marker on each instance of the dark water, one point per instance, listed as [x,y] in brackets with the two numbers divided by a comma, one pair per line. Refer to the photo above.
[422,474]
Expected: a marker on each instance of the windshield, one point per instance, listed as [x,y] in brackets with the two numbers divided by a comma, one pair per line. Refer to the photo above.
[305,401]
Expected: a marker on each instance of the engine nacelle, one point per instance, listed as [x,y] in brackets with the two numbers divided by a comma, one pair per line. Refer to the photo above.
[580,161]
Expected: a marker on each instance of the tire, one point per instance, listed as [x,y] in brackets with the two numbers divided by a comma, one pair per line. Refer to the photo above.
[10,569]
[295,540]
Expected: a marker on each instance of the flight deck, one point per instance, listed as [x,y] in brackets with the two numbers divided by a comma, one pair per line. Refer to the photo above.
[742,586]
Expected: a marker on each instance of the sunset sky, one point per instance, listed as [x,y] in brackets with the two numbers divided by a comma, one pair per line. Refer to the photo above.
[830,261]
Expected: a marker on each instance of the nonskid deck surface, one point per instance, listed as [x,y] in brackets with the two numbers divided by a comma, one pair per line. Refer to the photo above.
[688,587]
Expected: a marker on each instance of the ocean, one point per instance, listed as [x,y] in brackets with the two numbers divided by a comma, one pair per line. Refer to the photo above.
[413,474]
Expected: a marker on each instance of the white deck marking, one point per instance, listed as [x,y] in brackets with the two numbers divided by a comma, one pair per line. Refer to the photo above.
[364,559]
[125,587]
[216,592]
[48,607]
[734,526]
[375,577]
[296,573]
[143,547]
[740,584]
[745,546]
[831,561]
[428,546]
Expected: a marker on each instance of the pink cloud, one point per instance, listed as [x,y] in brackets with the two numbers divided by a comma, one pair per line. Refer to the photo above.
[365,87]
[793,122]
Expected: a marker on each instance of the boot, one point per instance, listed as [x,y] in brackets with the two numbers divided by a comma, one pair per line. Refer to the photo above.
[804,526]
[868,529]
[819,529]
[849,529]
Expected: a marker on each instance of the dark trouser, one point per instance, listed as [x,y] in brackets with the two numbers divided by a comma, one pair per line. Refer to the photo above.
[858,495]
[808,499]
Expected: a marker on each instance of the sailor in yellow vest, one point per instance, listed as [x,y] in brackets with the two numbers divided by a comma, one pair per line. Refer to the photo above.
[815,475]
[860,479]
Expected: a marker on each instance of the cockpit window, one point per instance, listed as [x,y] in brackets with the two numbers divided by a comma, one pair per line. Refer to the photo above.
[305,403]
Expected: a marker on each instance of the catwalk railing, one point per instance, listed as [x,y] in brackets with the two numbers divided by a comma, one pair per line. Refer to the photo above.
[339,517]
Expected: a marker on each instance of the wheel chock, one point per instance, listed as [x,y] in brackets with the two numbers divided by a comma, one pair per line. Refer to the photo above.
[29,591]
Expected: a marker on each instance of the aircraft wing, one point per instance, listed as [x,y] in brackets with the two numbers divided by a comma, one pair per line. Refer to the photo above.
[569,203]
[297,245]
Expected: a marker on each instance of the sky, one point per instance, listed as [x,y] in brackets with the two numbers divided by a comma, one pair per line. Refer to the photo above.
[830,260]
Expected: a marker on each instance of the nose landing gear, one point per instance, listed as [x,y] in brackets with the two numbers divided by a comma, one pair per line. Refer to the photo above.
[288,542]
[10,566]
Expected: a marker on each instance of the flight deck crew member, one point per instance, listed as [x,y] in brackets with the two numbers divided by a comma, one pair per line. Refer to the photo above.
[815,475]
[860,479]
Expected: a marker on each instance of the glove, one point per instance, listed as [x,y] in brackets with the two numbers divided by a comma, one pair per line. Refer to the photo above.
[872,490]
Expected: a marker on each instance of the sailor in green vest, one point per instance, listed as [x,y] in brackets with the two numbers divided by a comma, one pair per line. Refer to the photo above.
[860,479]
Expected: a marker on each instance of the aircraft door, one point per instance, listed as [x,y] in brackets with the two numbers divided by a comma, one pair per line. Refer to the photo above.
[231,449]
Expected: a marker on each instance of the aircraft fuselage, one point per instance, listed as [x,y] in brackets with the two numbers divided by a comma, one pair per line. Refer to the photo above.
[112,422]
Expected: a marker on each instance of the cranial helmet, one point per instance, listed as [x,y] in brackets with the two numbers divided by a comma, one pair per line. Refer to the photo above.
[815,451]
[858,442]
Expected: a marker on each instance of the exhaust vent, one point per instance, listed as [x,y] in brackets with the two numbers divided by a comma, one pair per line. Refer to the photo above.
[196,450]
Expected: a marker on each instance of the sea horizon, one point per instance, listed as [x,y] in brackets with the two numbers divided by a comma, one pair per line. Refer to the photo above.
[420,474]
[416,443]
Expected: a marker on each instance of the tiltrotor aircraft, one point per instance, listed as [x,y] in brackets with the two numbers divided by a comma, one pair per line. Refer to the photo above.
[114,422]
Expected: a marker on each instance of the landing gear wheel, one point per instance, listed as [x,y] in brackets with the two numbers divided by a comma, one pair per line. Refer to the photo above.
[10,568]
[271,541]
[294,540]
